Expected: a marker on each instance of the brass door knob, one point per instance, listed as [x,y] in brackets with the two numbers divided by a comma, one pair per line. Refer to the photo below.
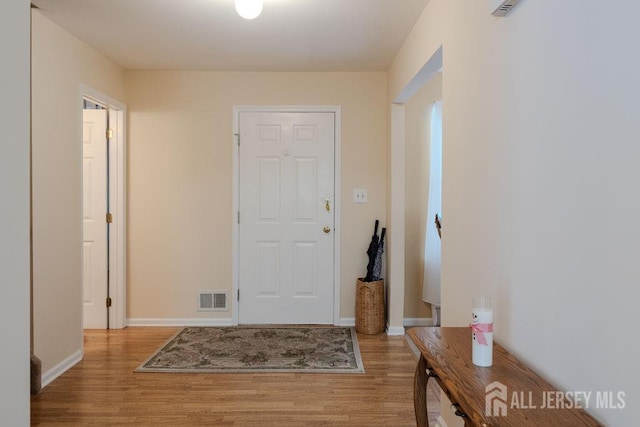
[326,229]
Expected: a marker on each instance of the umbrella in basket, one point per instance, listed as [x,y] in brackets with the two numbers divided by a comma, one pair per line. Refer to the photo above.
[372,252]
[377,264]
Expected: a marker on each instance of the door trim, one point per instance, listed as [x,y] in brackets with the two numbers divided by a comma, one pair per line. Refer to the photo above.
[117,200]
[337,110]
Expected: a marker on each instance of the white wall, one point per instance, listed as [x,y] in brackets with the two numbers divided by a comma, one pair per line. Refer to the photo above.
[61,63]
[14,223]
[180,178]
[539,199]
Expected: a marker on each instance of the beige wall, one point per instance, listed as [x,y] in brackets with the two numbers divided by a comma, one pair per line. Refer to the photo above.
[422,42]
[417,143]
[180,177]
[14,227]
[60,64]
[539,168]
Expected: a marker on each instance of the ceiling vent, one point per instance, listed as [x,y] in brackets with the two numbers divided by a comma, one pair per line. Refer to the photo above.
[506,7]
[212,301]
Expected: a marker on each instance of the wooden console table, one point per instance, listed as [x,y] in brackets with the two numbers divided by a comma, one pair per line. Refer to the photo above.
[445,355]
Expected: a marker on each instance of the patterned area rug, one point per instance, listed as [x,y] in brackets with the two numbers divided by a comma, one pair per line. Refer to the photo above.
[243,349]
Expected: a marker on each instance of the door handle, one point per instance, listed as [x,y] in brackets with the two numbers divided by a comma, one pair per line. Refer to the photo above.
[327,206]
[326,229]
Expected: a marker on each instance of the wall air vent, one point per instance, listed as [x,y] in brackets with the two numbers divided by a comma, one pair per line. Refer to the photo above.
[506,7]
[212,301]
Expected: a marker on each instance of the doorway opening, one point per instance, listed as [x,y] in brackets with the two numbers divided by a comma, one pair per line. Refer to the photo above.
[103,196]
[397,176]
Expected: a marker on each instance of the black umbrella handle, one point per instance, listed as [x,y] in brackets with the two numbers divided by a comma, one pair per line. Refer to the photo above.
[382,233]
[375,228]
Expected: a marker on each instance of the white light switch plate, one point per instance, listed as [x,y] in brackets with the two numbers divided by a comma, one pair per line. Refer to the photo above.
[359,195]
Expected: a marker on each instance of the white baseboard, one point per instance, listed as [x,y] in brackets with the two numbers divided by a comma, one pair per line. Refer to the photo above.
[393,330]
[61,368]
[225,321]
[417,321]
[347,322]
[414,349]
[441,423]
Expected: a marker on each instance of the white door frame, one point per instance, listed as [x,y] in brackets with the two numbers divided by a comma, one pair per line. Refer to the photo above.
[117,200]
[337,110]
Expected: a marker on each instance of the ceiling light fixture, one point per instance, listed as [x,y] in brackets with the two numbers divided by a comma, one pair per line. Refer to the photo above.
[249,9]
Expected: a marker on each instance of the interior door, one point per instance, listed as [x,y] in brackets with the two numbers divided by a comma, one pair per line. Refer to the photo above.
[94,199]
[286,218]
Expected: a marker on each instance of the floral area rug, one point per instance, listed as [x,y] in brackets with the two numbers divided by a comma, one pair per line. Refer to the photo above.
[270,349]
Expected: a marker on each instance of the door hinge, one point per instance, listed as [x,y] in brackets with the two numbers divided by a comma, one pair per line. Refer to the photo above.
[109,218]
[109,133]
[238,294]
[237,135]
[108,301]
[238,217]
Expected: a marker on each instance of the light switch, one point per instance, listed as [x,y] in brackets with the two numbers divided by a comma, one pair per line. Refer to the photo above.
[359,195]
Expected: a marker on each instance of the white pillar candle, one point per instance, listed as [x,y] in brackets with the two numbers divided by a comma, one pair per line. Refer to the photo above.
[482,333]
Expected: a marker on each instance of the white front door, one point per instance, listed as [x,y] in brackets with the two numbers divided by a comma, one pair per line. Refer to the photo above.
[286,200]
[94,200]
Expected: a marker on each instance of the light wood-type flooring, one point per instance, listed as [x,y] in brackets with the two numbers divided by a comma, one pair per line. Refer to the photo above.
[104,389]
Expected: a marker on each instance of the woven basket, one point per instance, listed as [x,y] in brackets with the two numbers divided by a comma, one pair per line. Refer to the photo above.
[370,307]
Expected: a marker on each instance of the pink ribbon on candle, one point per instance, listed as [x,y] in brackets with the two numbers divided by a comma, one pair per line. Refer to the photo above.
[479,329]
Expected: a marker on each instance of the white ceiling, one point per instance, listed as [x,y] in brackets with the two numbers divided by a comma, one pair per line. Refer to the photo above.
[290,35]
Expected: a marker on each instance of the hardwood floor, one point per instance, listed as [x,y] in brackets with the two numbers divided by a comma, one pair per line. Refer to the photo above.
[103,389]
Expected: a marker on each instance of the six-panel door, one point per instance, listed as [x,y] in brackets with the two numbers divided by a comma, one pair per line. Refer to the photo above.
[286,201]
